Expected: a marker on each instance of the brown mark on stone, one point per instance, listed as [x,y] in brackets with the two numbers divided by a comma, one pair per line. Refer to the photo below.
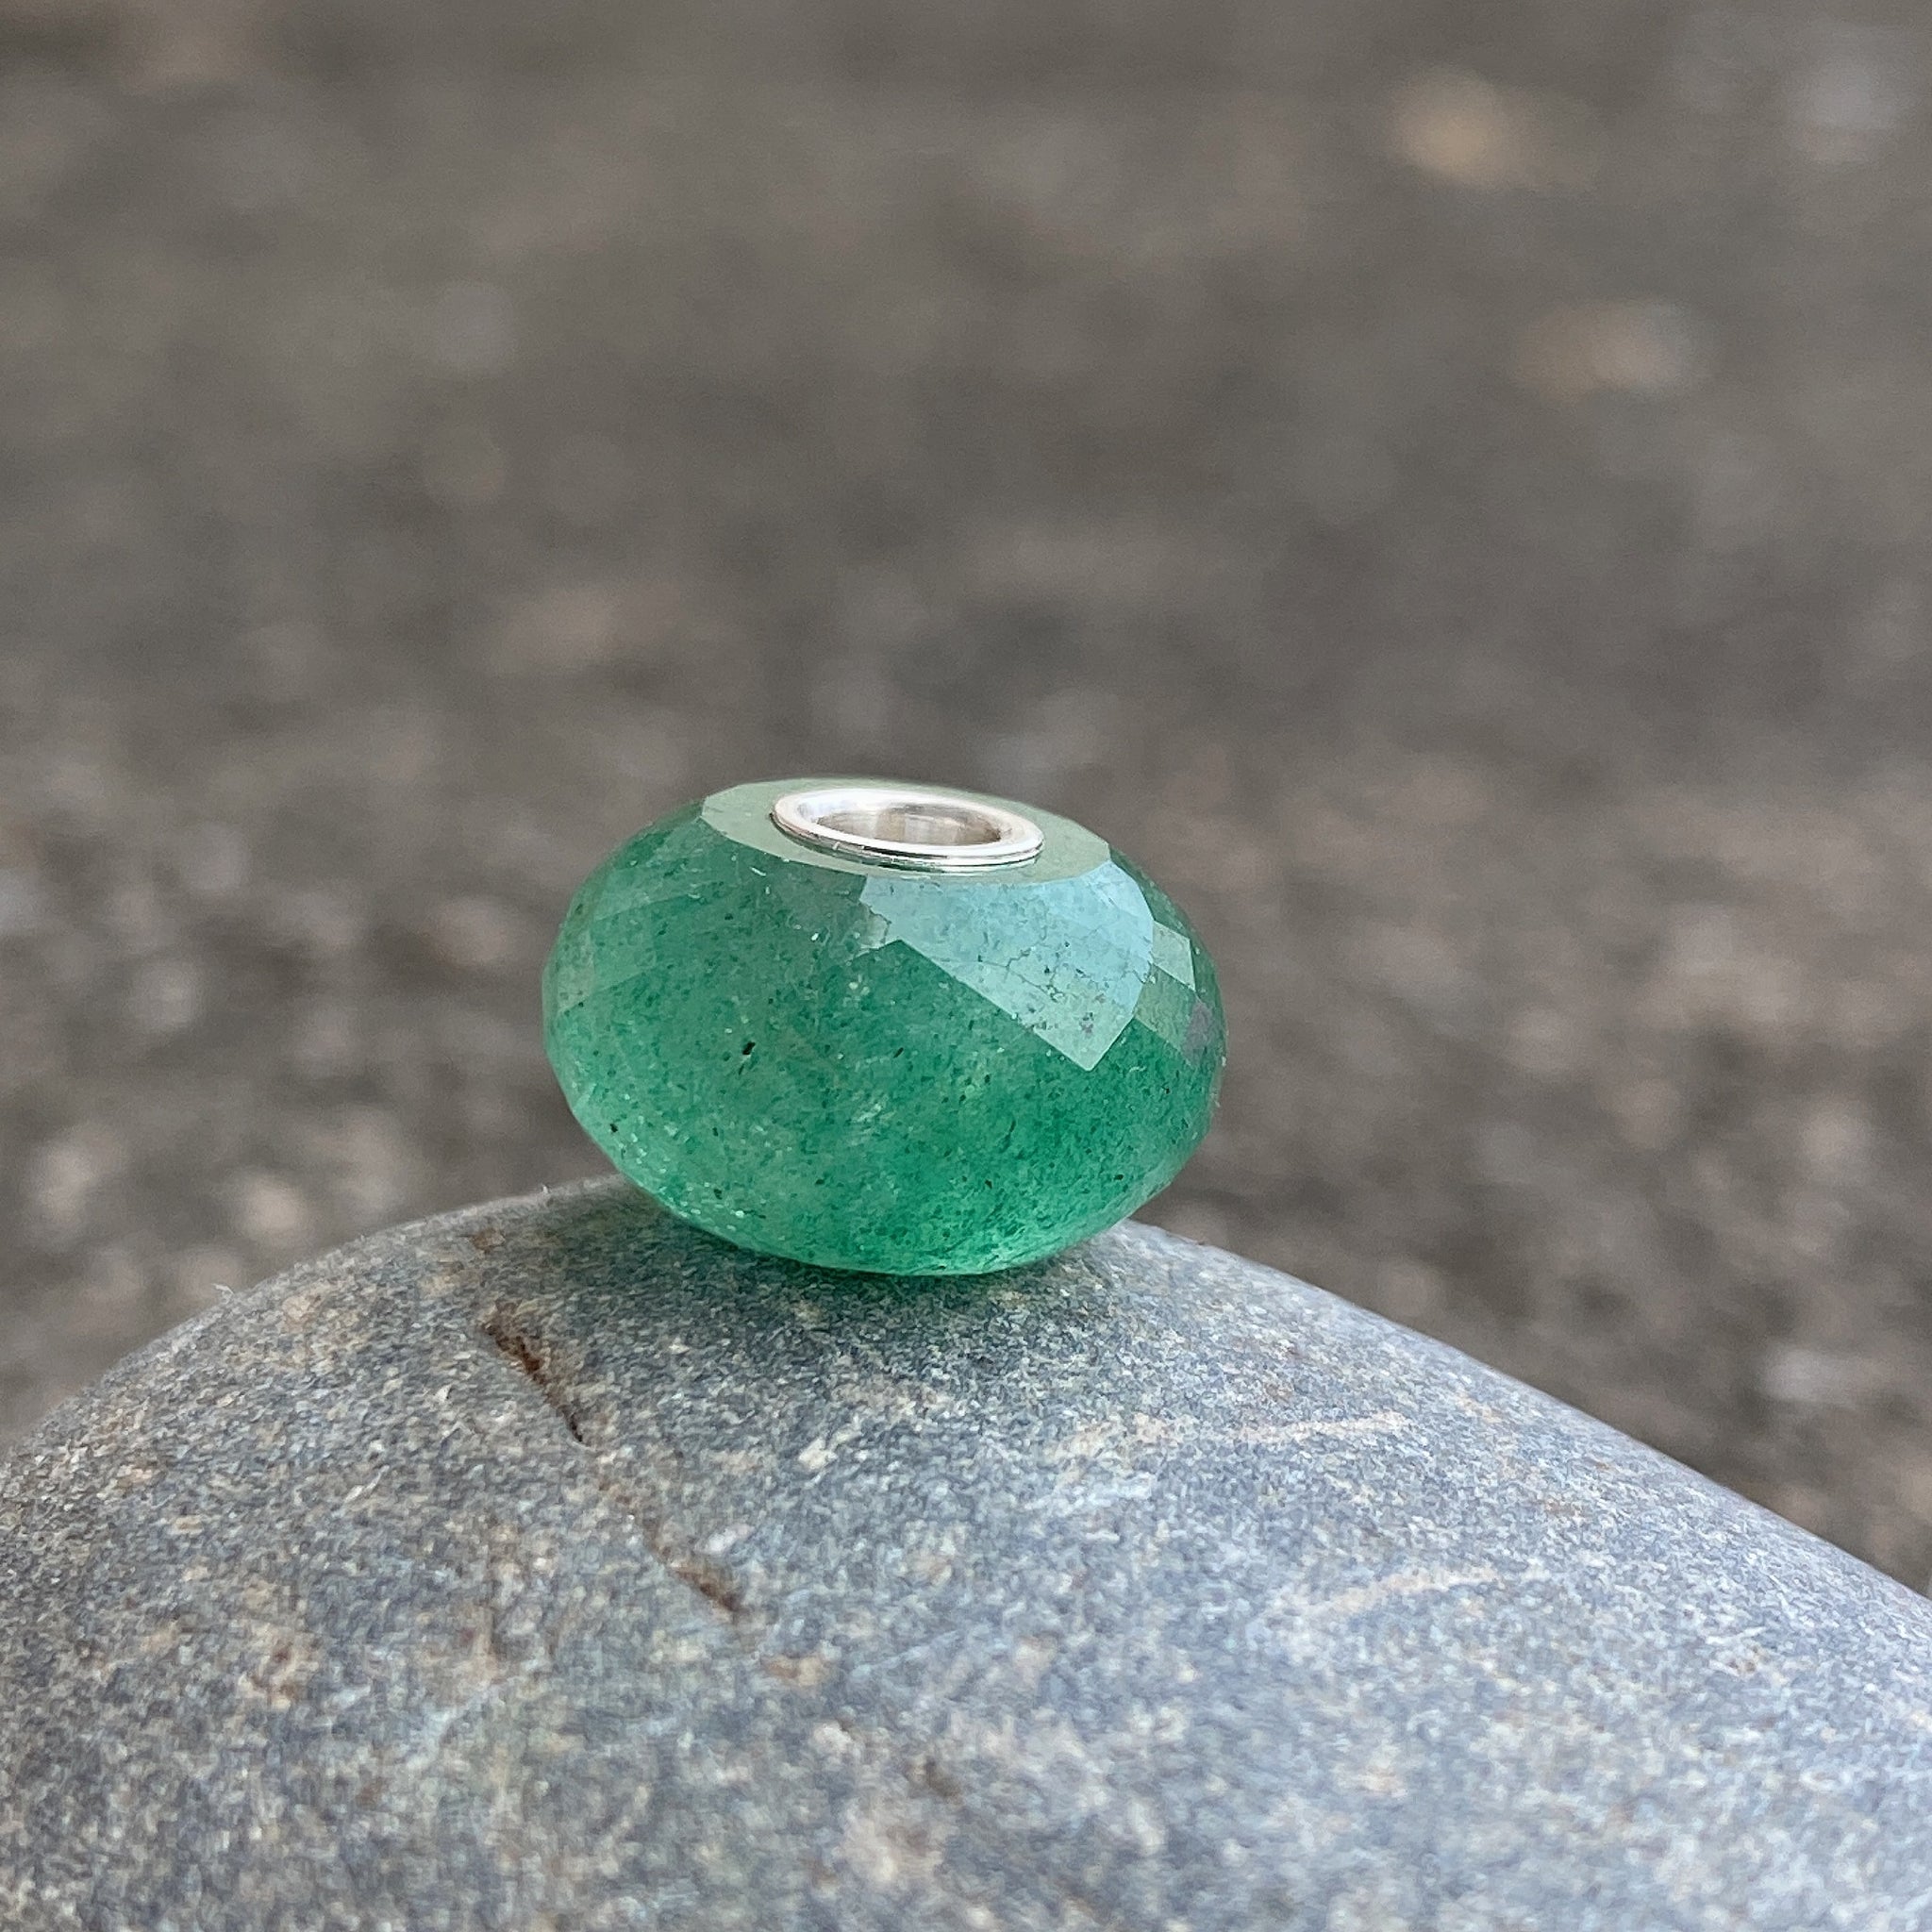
[525,1353]
[531,1357]
[711,1581]
[931,1775]
[807,1673]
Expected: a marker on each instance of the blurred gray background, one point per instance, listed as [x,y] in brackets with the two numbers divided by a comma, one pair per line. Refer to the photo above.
[1443,482]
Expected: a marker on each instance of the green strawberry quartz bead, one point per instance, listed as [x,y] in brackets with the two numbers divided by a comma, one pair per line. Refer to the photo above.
[872,1026]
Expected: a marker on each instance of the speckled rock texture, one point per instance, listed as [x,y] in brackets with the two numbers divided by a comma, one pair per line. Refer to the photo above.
[553,1565]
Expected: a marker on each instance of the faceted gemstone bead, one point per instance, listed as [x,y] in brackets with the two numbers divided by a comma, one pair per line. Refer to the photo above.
[820,1054]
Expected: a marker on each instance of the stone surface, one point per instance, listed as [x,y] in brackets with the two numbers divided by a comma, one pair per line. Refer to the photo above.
[860,1066]
[556,1566]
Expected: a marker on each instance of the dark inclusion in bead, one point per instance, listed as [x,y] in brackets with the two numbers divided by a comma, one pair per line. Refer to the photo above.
[859,1065]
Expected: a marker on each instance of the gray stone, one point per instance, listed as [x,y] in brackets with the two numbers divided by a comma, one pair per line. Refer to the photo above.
[550,1565]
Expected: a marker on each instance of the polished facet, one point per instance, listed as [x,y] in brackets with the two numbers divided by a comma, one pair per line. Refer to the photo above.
[865,1061]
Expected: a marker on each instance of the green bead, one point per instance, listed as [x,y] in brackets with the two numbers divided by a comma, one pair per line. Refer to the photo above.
[842,1061]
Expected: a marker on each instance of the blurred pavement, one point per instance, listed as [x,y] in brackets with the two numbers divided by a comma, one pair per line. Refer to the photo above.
[1445,486]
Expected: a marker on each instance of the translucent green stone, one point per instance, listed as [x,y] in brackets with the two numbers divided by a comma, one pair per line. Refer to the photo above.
[863,1066]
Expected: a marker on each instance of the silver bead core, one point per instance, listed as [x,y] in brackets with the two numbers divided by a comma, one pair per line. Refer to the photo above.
[893,824]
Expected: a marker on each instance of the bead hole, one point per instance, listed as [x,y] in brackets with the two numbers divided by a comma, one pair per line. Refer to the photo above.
[943,825]
[891,825]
